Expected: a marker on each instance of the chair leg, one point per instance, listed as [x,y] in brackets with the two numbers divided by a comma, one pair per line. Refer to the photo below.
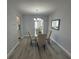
[44,46]
[38,46]
[31,43]
[48,41]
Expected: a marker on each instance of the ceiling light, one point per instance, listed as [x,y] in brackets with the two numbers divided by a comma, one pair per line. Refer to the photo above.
[17,17]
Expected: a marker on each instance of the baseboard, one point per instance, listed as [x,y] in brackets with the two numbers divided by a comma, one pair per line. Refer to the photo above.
[69,54]
[22,37]
[9,54]
[27,36]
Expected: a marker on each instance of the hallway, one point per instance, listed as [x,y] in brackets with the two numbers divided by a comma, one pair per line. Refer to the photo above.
[25,51]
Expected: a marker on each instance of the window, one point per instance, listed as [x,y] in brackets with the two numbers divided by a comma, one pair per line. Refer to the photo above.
[38,25]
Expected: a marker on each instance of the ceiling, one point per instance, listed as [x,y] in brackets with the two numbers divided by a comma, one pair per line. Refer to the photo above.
[35,6]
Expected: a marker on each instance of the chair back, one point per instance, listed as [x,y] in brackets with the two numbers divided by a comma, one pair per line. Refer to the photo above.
[49,34]
[41,39]
[30,35]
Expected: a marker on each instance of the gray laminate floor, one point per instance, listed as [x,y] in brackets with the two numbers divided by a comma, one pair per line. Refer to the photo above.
[25,51]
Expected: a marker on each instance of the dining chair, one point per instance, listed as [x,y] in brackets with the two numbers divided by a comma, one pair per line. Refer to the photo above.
[30,37]
[48,37]
[41,41]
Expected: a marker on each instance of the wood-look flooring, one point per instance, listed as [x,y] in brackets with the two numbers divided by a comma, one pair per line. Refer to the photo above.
[25,51]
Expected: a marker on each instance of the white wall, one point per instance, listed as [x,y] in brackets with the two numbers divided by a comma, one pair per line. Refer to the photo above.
[62,36]
[11,26]
[28,24]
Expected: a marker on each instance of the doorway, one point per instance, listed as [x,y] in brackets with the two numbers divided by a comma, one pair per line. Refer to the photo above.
[38,25]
